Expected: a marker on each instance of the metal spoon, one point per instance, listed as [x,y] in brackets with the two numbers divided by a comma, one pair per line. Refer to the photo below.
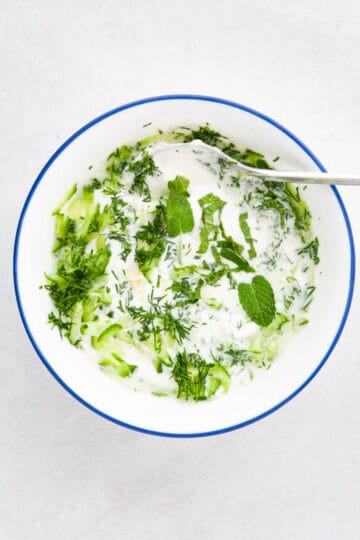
[300,177]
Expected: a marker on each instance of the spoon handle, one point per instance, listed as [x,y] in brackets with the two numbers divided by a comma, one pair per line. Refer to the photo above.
[274,175]
[305,177]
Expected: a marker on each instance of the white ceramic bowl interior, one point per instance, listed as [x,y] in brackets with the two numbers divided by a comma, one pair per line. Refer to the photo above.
[298,362]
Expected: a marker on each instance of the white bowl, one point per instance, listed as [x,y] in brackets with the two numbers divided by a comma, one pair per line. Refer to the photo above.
[299,361]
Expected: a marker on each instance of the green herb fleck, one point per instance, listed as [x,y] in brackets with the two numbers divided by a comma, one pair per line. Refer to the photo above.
[62,325]
[312,249]
[239,356]
[185,291]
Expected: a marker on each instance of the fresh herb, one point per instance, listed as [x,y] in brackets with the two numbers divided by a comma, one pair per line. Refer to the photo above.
[299,207]
[239,356]
[150,242]
[117,162]
[312,249]
[248,157]
[197,379]
[309,296]
[117,208]
[142,168]
[258,301]
[190,373]
[209,273]
[245,229]
[126,246]
[187,292]
[62,325]
[270,200]
[119,222]
[94,184]
[286,200]
[210,204]
[75,275]
[223,167]
[179,216]
[160,318]
[289,299]
[204,134]
[232,251]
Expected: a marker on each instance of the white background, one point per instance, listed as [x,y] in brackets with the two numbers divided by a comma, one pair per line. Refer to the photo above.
[67,473]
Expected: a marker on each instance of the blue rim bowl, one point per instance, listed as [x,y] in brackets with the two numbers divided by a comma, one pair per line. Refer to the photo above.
[235,105]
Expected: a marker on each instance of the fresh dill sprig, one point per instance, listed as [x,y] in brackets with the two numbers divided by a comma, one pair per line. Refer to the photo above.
[161,318]
[150,242]
[63,326]
[312,249]
[190,373]
[204,134]
[142,168]
[75,275]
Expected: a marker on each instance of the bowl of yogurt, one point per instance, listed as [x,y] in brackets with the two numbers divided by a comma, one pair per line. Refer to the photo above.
[166,291]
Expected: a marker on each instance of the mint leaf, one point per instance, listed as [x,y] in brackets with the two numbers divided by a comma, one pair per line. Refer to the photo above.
[245,229]
[257,300]
[210,204]
[179,216]
[232,251]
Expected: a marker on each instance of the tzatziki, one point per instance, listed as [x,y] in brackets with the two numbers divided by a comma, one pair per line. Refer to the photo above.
[178,275]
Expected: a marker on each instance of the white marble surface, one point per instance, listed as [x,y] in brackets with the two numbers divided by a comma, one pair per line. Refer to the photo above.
[67,473]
